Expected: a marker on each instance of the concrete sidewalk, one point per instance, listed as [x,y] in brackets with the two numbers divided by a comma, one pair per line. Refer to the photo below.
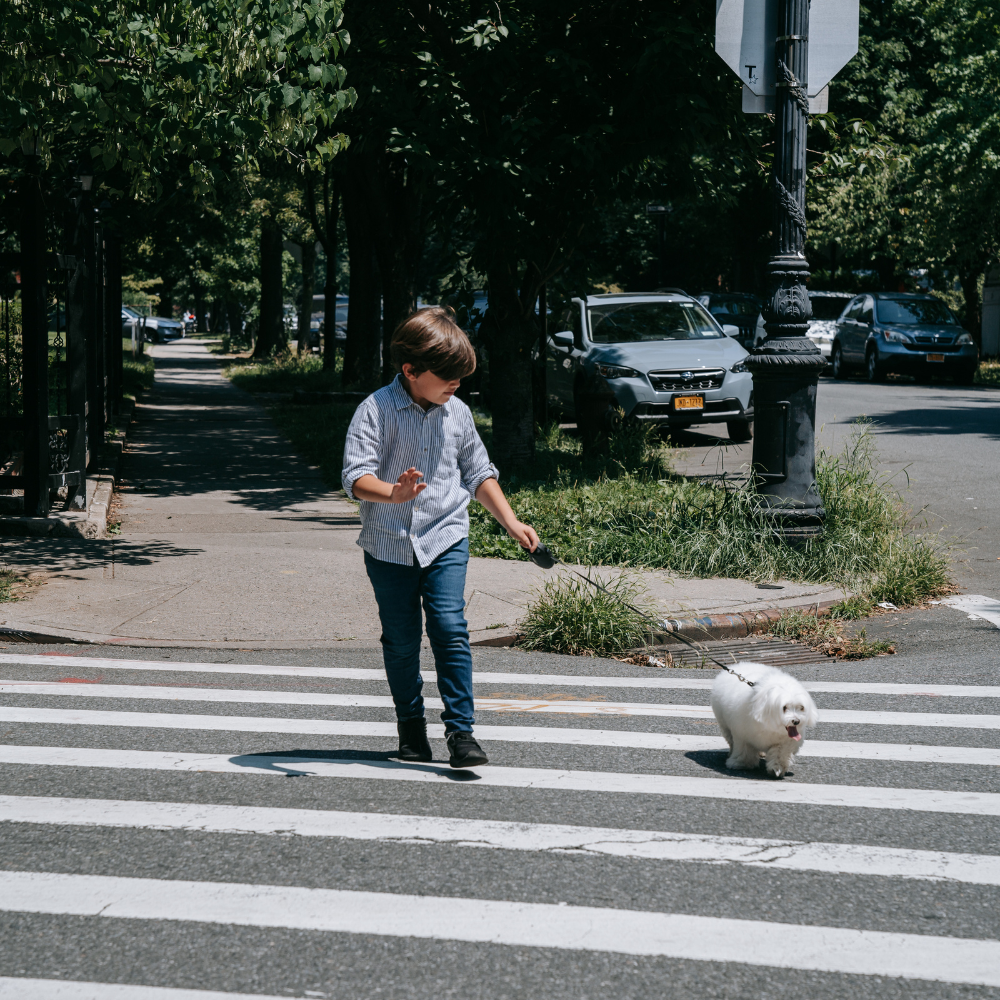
[229,540]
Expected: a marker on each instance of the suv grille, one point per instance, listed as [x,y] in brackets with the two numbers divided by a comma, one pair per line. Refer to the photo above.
[687,378]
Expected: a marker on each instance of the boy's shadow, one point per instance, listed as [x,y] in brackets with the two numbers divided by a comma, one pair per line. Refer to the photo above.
[715,760]
[284,761]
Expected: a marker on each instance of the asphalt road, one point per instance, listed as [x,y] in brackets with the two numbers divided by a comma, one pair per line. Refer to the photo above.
[472,893]
[938,442]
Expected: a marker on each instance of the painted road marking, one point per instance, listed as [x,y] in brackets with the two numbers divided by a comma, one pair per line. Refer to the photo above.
[493,677]
[745,788]
[15,988]
[535,925]
[526,705]
[913,753]
[646,845]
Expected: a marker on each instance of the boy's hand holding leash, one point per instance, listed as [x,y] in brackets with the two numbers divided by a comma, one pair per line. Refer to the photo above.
[491,497]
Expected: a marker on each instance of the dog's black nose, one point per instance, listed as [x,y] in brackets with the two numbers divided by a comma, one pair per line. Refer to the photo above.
[795,722]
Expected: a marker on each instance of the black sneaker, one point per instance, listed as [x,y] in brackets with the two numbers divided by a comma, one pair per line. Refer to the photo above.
[465,751]
[413,743]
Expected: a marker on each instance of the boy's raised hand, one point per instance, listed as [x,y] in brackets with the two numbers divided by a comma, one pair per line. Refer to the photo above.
[407,486]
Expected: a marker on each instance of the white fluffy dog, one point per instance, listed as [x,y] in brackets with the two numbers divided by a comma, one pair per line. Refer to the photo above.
[765,720]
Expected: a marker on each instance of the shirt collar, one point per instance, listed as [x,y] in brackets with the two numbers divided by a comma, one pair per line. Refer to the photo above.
[403,399]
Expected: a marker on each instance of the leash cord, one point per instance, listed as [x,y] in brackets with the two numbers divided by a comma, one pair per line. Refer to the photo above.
[642,614]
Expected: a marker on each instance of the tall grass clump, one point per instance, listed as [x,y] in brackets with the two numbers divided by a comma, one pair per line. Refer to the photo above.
[137,373]
[285,372]
[692,529]
[571,616]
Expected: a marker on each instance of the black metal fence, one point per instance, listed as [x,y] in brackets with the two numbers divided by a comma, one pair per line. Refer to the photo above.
[60,353]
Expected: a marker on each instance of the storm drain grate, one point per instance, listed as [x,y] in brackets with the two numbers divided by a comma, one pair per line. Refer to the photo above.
[775,652]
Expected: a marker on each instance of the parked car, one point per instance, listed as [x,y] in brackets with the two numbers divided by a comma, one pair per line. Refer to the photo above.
[734,309]
[907,333]
[159,329]
[659,357]
[130,319]
[826,310]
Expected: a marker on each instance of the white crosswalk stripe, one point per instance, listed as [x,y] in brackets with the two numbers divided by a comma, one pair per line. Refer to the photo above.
[526,705]
[536,925]
[14,988]
[513,734]
[491,677]
[139,741]
[736,789]
[841,859]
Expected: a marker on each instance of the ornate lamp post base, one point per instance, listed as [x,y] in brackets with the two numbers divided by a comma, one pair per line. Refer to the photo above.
[786,369]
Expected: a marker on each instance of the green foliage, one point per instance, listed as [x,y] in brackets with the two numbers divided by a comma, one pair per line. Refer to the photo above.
[136,84]
[988,373]
[571,616]
[697,530]
[828,635]
[284,373]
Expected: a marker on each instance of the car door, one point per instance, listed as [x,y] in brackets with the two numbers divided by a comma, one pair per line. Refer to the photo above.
[562,359]
[847,328]
[863,326]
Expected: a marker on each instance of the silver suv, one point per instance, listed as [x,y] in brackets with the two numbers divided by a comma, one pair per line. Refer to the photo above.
[659,357]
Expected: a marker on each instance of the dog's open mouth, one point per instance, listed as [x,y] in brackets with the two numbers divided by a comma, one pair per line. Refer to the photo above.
[793,733]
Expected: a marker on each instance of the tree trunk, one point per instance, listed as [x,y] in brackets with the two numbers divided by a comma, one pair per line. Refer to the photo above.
[362,350]
[308,284]
[217,316]
[510,331]
[271,327]
[973,304]
[199,311]
[234,319]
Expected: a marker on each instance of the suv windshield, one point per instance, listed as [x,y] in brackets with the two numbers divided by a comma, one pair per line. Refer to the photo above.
[914,312]
[632,322]
[828,307]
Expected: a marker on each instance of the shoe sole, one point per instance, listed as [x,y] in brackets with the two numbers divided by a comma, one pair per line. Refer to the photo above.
[469,763]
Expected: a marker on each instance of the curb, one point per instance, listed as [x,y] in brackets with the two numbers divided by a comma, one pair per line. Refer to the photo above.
[92,523]
[706,627]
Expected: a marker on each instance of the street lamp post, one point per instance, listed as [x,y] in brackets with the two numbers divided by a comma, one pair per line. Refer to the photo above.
[787,365]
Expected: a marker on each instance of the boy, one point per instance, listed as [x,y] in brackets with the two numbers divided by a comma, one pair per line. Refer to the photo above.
[416,534]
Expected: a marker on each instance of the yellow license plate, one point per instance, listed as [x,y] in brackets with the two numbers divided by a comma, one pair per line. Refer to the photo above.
[935,357]
[689,403]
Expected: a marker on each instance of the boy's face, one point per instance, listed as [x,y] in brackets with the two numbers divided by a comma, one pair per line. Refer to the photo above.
[427,388]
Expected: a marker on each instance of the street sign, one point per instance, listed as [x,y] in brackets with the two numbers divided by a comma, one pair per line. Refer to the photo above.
[745,31]
[652,209]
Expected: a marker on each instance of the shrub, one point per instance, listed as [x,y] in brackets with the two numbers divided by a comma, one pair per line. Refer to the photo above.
[571,616]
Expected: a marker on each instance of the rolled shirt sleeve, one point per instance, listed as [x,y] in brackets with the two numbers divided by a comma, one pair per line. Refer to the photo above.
[361,449]
[473,462]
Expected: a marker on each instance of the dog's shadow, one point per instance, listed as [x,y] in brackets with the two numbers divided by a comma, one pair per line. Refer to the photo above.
[715,760]
[295,763]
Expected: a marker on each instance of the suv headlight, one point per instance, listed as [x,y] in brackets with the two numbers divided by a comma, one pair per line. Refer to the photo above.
[965,338]
[897,337]
[740,367]
[616,371]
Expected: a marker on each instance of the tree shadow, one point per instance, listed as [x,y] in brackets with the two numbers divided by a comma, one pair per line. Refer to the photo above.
[283,761]
[950,420]
[64,555]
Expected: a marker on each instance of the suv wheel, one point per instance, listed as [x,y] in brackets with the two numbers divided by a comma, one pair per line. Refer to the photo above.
[874,368]
[739,431]
[837,362]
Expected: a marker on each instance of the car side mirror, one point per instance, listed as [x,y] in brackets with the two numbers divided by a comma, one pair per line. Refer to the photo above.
[563,339]
[730,331]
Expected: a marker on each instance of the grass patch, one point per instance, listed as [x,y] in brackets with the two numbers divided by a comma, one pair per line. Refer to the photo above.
[636,519]
[988,373]
[137,373]
[285,373]
[571,616]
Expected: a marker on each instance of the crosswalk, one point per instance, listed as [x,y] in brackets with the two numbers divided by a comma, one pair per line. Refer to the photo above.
[134,827]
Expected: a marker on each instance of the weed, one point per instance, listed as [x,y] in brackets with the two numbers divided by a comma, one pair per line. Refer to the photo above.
[827,635]
[137,373]
[988,373]
[570,616]
[7,580]
[284,373]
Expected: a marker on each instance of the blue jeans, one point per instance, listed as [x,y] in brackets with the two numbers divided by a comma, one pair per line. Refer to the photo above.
[441,585]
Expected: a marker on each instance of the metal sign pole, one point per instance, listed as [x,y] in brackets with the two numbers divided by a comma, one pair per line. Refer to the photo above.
[786,367]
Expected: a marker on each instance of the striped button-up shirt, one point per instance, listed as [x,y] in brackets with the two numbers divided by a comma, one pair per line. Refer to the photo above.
[390,434]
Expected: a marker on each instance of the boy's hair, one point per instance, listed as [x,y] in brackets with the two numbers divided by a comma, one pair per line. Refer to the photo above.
[432,341]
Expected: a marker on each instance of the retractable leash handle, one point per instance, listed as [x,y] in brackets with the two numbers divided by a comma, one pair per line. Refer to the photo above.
[544,558]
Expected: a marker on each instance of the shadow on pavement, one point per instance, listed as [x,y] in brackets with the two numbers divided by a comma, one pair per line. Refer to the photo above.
[272,761]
